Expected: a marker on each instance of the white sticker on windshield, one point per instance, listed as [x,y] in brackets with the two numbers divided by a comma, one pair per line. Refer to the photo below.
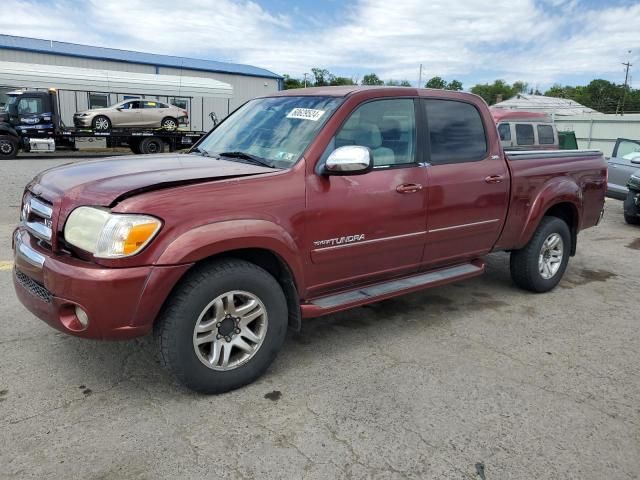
[306,114]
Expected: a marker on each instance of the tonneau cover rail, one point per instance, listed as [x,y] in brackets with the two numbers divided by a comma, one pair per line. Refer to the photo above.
[540,154]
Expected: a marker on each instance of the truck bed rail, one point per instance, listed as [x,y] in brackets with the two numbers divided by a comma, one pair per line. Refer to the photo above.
[541,154]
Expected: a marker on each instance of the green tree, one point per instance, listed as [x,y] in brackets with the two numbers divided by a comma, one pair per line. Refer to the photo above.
[491,92]
[290,83]
[436,82]
[371,79]
[455,85]
[398,83]
[321,77]
[341,81]
[520,87]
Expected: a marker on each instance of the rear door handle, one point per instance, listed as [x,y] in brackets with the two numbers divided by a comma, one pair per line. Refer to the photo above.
[409,188]
[494,179]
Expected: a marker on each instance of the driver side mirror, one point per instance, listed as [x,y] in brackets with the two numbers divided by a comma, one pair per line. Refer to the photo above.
[119,109]
[349,160]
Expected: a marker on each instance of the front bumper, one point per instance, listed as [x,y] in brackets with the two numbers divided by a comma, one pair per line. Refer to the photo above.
[120,302]
[82,122]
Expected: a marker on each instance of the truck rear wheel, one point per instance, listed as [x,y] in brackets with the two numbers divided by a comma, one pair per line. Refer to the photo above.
[134,145]
[539,266]
[151,145]
[222,326]
[8,147]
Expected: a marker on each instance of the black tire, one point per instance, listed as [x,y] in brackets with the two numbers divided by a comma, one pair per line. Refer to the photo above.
[631,210]
[151,145]
[169,123]
[525,270]
[174,329]
[8,147]
[134,145]
[101,124]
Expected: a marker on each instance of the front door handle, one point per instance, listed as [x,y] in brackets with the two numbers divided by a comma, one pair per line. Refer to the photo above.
[409,188]
[494,179]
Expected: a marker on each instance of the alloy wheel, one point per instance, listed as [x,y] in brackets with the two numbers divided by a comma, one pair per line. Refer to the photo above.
[551,255]
[230,330]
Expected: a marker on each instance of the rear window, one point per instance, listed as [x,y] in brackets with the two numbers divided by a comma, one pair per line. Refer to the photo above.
[456,132]
[504,129]
[524,134]
[545,134]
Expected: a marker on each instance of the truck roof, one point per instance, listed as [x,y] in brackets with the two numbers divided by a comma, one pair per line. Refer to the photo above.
[346,90]
[501,115]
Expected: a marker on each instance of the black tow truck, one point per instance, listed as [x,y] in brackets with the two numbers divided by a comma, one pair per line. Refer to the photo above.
[30,122]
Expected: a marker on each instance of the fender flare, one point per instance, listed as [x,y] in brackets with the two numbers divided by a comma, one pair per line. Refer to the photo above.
[6,129]
[558,190]
[220,237]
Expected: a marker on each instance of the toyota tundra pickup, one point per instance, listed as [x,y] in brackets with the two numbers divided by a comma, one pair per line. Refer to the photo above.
[299,204]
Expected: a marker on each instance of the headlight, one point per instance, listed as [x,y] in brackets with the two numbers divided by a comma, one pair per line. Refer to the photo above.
[109,235]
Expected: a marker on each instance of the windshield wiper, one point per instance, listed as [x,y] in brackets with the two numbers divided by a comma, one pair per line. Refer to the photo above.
[204,153]
[247,156]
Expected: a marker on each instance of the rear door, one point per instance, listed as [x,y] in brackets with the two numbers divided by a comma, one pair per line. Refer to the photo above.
[150,114]
[621,166]
[468,187]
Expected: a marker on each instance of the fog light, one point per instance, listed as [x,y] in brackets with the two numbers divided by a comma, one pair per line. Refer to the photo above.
[83,318]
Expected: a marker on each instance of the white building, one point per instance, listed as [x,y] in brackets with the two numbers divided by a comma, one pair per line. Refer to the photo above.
[90,77]
[539,103]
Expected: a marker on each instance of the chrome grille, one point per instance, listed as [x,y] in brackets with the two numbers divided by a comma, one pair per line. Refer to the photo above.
[36,217]
[33,287]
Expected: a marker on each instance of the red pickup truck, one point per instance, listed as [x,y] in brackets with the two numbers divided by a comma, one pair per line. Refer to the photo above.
[299,204]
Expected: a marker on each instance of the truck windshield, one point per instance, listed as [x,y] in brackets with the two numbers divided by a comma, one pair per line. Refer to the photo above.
[276,129]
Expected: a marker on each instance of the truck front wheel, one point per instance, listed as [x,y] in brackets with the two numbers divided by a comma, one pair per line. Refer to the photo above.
[539,266]
[222,326]
[8,147]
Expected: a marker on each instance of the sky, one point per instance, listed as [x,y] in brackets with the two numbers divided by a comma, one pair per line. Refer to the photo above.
[541,42]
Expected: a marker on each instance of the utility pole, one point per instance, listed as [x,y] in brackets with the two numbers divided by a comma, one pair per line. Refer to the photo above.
[420,77]
[626,83]
[305,80]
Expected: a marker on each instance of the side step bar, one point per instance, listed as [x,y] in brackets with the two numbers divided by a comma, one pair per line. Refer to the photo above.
[392,288]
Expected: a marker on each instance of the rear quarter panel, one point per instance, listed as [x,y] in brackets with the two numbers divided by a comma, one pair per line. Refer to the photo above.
[537,184]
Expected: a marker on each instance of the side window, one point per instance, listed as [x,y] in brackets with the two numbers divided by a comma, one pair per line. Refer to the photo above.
[524,134]
[545,135]
[628,150]
[386,127]
[149,104]
[456,132]
[504,129]
[135,104]
[126,106]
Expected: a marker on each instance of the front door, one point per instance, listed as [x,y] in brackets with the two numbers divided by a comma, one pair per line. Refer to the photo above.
[468,184]
[369,227]
[129,114]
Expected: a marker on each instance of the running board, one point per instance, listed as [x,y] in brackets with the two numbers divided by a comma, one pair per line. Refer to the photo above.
[393,288]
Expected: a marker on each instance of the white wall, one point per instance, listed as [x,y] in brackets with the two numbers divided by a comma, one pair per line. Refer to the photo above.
[601,131]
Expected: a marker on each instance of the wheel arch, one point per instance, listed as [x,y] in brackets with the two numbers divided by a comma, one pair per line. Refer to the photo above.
[267,246]
[562,198]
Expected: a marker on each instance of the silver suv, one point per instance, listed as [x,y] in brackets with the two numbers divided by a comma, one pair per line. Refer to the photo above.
[132,113]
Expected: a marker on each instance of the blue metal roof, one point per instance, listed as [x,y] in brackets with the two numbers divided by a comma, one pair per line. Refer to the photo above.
[99,53]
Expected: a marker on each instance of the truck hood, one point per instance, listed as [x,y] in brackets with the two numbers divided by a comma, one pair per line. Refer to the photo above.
[104,182]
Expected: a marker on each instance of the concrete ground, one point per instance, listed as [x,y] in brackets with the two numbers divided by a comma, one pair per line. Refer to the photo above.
[477,380]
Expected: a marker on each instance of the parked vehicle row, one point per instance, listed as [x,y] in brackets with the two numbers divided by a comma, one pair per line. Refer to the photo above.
[299,204]
[31,123]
